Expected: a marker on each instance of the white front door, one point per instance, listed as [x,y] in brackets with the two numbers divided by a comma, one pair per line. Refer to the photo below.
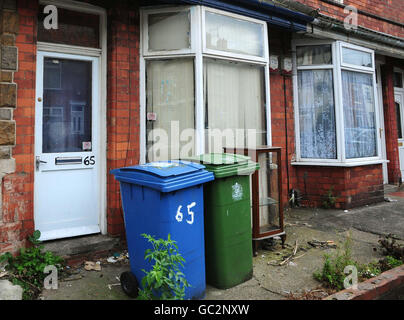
[399,101]
[67,177]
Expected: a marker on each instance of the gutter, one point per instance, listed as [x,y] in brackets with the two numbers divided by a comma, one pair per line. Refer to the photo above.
[389,43]
[277,9]
[331,24]
[258,9]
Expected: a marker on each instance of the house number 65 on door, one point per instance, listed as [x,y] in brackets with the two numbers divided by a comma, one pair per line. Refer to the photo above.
[89,160]
[179,216]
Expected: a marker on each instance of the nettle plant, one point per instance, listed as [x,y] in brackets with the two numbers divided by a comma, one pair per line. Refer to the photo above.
[164,281]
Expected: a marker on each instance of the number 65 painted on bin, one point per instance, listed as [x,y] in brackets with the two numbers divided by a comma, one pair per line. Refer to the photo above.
[179,216]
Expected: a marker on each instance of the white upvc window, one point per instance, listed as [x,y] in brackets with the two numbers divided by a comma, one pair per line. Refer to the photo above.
[208,70]
[232,36]
[169,31]
[336,111]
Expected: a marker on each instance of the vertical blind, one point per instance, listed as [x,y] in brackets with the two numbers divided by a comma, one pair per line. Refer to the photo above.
[234,99]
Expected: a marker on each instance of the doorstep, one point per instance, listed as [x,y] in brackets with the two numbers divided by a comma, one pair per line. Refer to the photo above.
[77,249]
[390,188]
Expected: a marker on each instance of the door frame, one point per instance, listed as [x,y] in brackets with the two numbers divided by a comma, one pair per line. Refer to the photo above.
[382,131]
[400,92]
[102,84]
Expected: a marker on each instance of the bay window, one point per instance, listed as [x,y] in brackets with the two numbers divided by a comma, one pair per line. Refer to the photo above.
[335,104]
[204,70]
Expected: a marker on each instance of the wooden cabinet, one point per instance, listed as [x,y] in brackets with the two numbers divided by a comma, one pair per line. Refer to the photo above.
[266,193]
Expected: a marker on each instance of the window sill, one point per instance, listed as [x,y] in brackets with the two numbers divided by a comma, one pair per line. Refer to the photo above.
[339,164]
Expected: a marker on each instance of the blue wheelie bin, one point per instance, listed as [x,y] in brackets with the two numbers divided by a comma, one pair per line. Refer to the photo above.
[158,199]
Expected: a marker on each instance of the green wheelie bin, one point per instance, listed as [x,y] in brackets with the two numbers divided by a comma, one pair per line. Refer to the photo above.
[228,235]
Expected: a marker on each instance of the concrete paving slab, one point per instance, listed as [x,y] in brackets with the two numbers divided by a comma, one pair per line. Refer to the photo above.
[379,219]
[8,291]
[90,285]
[271,281]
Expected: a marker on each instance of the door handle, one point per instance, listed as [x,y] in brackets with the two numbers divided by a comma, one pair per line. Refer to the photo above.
[38,161]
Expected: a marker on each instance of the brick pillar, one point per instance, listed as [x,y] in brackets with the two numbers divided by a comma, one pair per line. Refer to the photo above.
[122,102]
[17,114]
[390,124]
[282,109]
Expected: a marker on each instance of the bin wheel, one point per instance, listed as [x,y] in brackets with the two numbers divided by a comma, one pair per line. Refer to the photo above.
[129,284]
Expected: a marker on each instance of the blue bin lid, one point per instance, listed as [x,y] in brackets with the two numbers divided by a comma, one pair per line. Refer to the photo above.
[165,176]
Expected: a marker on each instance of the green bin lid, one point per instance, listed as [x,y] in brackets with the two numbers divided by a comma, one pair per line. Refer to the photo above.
[226,164]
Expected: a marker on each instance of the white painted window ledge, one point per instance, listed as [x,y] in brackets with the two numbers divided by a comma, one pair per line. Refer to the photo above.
[339,164]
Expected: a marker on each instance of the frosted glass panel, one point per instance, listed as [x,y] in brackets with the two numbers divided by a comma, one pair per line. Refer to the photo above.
[317,114]
[359,115]
[314,55]
[169,31]
[356,57]
[234,35]
[170,109]
[234,102]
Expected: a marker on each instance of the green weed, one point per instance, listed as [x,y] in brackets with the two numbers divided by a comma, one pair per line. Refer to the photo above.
[164,281]
[27,268]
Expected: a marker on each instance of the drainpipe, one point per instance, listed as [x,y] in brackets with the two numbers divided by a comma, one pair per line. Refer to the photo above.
[286,117]
[286,130]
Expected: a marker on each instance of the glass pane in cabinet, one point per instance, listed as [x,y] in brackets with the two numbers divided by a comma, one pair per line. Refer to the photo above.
[268,192]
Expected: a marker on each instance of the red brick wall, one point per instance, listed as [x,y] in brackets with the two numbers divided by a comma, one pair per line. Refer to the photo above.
[352,187]
[390,9]
[17,188]
[390,124]
[122,120]
[122,104]
[282,109]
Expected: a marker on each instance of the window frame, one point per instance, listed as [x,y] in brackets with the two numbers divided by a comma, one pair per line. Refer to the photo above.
[193,16]
[338,66]
[357,48]
[198,52]
[232,55]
